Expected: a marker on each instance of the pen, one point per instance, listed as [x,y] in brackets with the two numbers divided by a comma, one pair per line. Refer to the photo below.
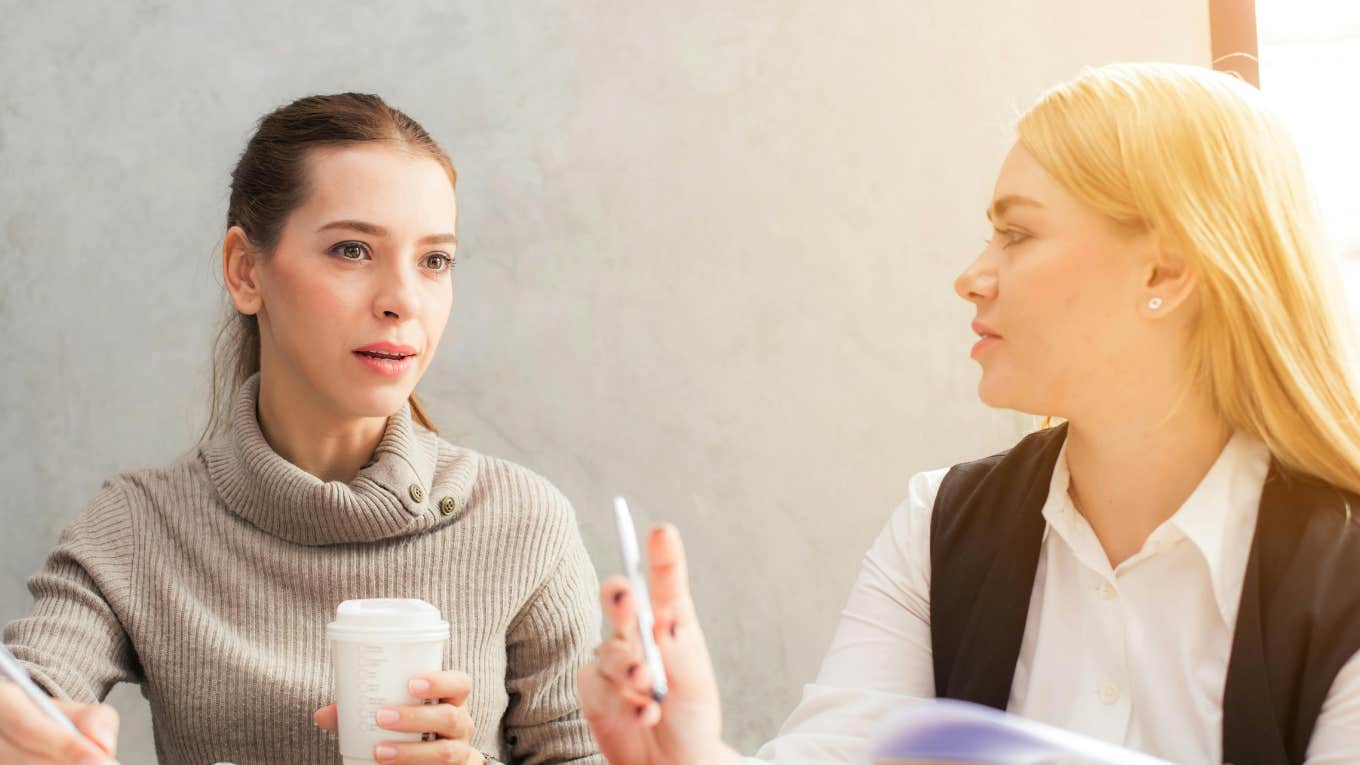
[15,671]
[633,564]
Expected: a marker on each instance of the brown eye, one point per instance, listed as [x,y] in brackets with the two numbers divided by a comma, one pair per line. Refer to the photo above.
[350,250]
[438,261]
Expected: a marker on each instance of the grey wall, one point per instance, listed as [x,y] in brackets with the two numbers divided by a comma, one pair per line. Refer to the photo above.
[707,260]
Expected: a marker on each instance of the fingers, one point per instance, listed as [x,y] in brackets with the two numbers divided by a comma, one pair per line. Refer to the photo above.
[613,712]
[25,729]
[616,601]
[447,720]
[668,578]
[621,663]
[99,722]
[442,752]
[328,717]
[451,687]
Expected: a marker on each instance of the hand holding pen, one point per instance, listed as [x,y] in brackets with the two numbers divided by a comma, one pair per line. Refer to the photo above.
[36,730]
[617,690]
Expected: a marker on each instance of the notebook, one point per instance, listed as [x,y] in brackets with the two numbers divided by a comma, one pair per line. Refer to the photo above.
[948,731]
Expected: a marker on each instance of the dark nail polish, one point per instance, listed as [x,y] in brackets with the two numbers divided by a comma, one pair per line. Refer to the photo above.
[618,597]
[672,629]
[641,711]
[632,669]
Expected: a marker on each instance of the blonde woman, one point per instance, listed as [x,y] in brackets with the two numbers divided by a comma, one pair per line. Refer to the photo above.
[1176,567]
[210,581]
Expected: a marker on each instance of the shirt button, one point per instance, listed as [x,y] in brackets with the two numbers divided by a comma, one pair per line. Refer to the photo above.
[447,505]
[1109,693]
[1107,591]
[417,492]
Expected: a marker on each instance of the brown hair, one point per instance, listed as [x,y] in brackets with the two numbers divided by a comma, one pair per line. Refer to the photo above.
[270,182]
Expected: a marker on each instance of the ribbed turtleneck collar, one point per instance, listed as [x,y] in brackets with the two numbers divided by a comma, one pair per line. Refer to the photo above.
[406,487]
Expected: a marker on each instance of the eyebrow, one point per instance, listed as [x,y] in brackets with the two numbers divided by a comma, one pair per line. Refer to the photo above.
[1000,205]
[373,229]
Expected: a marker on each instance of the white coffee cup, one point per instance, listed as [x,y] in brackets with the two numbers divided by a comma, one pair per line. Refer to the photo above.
[377,645]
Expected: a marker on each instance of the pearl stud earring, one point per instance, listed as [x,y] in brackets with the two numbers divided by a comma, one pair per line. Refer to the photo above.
[1155,303]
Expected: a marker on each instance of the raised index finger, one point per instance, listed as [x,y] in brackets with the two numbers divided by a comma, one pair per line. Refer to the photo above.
[668,577]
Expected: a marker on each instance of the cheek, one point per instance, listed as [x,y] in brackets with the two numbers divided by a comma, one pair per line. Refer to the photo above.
[311,304]
[1061,308]
[438,307]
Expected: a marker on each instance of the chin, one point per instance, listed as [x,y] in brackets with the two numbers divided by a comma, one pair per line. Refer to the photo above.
[998,392]
[992,391]
[375,400]
[991,397]
[999,396]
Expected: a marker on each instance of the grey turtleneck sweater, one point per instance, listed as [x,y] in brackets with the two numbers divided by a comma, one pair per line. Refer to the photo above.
[210,582]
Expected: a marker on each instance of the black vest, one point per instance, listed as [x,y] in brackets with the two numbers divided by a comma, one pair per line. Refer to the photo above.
[1298,620]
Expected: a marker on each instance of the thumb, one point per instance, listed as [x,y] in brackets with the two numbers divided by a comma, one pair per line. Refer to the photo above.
[98,722]
[327,717]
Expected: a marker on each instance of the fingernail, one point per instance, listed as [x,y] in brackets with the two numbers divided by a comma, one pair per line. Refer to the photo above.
[419,687]
[641,711]
[387,716]
[384,752]
[672,629]
[618,597]
[632,668]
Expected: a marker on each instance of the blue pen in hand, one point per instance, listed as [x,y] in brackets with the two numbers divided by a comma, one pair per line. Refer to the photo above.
[632,563]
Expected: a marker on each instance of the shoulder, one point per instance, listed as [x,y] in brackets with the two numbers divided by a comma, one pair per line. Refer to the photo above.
[146,488]
[129,495]
[510,494]
[1321,522]
[1028,456]
[904,542]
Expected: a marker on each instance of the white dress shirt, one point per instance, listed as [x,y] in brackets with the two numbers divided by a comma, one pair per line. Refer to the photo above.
[1136,655]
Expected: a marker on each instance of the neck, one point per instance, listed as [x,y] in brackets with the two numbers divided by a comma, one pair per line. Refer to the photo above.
[1133,469]
[301,429]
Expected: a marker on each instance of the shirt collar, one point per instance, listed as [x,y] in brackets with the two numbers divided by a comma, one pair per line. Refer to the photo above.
[1219,518]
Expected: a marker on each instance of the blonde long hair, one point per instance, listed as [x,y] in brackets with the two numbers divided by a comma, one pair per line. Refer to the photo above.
[1196,157]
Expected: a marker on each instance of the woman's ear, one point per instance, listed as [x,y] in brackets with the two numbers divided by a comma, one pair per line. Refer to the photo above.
[1168,281]
[240,271]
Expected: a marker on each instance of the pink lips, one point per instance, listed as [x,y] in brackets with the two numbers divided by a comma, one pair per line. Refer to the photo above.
[989,337]
[386,358]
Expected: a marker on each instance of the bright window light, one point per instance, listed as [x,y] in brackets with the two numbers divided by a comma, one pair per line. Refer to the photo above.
[1310,71]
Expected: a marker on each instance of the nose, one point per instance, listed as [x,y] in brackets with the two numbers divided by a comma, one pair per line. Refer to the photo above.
[398,294]
[978,281]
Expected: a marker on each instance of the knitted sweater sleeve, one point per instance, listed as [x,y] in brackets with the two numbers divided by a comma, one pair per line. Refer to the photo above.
[546,645]
[73,643]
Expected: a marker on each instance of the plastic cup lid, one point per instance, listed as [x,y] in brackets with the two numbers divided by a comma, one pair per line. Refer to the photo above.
[388,618]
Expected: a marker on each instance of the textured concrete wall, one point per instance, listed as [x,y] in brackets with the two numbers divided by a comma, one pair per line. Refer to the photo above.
[707,256]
